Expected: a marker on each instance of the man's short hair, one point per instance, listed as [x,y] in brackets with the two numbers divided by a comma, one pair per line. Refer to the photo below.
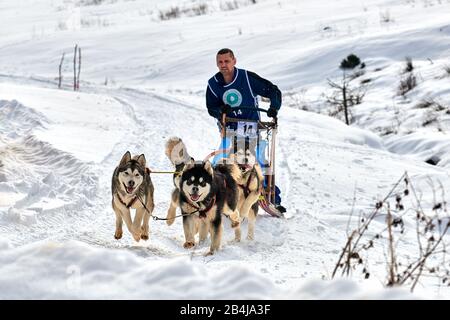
[225,51]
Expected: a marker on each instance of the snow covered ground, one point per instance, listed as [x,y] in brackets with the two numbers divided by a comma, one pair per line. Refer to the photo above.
[143,81]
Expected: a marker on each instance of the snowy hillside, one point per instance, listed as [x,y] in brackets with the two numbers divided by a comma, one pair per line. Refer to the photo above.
[143,79]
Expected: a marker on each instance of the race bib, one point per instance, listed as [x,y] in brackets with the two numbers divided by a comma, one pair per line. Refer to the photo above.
[247,129]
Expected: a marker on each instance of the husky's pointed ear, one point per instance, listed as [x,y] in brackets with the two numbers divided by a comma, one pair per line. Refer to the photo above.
[208,167]
[141,160]
[189,165]
[126,158]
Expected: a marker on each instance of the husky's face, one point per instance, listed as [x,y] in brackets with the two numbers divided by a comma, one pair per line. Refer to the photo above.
[131,172]
[196,182]
[130,179]
[245,157]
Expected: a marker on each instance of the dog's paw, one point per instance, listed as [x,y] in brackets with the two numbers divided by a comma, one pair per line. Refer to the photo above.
[235,224]
[188,244]
[209,253]
[144,233]
[118,235]
[137,236]
[250,237]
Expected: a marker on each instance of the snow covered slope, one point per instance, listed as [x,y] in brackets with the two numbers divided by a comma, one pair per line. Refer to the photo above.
[143,81]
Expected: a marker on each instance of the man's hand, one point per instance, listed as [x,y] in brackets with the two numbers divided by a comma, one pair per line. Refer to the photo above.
[272,112]
[226,108]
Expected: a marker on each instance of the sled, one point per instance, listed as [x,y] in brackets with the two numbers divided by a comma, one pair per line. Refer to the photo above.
[265,133]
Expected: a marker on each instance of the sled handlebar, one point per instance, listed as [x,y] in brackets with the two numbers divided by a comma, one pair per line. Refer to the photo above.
[250,108]
[224,116]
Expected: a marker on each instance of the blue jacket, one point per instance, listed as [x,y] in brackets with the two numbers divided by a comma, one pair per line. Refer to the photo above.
[242,91]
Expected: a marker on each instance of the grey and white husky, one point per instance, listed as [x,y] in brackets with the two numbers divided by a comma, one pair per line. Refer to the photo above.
[132,188]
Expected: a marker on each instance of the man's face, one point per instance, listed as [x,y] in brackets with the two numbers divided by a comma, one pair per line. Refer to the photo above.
[225,63]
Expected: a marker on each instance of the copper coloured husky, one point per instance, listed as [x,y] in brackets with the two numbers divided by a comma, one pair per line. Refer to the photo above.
[250,184]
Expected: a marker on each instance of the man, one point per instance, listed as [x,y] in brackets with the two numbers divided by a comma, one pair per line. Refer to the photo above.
[231,88]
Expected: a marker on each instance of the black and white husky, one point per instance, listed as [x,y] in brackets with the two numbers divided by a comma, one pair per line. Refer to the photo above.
[205,194]
[132,188]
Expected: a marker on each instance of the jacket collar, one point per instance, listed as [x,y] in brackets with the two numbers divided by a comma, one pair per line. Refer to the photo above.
[220,80]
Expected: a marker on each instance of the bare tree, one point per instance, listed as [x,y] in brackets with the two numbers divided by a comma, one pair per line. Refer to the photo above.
[60,71]
[345,96]
[75,68]
[79,68]
[76,72]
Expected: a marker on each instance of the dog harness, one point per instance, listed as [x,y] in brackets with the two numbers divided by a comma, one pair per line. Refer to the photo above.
[202,213]
[129,204]
[246,188]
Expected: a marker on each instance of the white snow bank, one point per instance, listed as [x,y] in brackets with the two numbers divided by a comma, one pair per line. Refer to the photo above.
[422,146]
[344,289]
[78,123]
[319,127]
[51,270]
[42,178]
[18,120]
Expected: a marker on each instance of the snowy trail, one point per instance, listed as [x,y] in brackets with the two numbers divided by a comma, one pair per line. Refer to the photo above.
[308,237]
[143,136]
[143,79]
[95,223]
[287,251]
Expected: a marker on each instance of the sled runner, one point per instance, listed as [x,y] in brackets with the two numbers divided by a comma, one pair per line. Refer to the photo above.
[264,134]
